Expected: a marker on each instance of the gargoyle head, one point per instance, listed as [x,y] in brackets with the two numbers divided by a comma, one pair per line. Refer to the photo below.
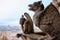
[36,5]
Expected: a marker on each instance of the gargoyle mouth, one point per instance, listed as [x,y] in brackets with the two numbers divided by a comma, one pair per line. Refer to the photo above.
[30,7]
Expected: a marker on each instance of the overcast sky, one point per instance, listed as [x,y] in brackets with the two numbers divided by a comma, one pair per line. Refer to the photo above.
[11,10]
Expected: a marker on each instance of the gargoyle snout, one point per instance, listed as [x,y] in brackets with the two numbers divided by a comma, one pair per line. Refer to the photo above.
[30,5]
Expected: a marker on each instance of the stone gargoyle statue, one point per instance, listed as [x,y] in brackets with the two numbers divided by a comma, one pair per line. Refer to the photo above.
[48,19]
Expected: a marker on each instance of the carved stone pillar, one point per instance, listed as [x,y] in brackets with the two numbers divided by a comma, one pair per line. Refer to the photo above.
[58,0]
[59,6]
[54,2]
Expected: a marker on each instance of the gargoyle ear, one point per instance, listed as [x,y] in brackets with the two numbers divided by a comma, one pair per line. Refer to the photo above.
[40,2]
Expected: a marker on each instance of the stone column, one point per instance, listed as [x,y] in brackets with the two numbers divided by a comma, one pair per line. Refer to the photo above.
[54,2]
[58,0]
[59,6]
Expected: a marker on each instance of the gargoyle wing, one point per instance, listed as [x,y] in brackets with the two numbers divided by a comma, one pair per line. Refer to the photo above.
[30,23]
[50,16]
[28,18]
